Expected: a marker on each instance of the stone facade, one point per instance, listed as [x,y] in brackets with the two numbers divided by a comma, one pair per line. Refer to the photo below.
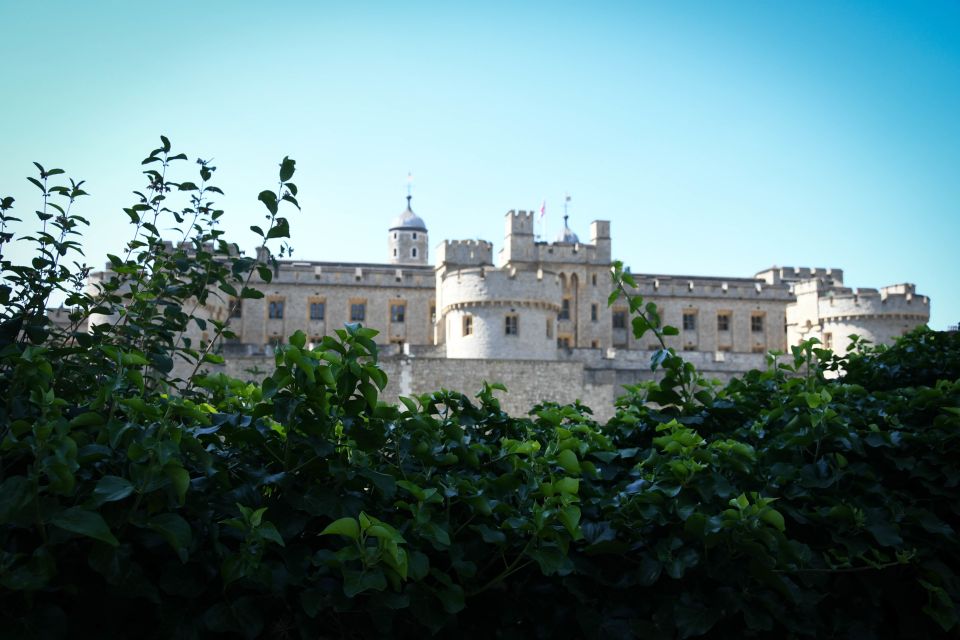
[538,321]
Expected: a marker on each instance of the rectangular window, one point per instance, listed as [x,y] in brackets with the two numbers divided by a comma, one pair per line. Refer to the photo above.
[398,312]
[236,308]
[563,342]
[756,323]
[565,309]
[275,310]
[549,328]
[433,313]
[723,322]
[593,280]
[828,340]
[274,341]
[358,311]
[689,321]
[595,344]
[619,319]
[467,325]
[594,312]
[318,310]
[512,325]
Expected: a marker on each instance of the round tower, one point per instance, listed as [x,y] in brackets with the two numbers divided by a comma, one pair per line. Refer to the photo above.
[407,239]
[499,314]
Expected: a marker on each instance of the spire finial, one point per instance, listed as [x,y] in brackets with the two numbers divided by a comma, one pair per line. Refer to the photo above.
[409,186]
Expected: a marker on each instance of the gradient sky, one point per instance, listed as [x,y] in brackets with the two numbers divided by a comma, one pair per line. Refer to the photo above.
[718,138]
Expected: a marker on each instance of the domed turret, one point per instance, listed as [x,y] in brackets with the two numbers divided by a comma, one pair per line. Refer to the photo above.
[407,239]
[566,236]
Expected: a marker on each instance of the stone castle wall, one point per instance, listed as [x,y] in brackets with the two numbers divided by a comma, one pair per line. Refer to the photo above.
[595,377]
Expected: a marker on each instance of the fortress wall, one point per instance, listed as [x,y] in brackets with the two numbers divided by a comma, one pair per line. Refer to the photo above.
[596,381]
[528,382]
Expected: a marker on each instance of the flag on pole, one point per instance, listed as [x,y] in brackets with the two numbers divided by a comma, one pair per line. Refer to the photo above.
[543,209]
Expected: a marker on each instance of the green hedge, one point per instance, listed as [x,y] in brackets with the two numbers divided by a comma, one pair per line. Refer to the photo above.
[785,504]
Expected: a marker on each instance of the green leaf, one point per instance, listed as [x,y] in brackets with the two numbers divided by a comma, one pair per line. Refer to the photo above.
[265,273]
[570,517]
[180,479]
[111,489]
[269,200]
[885,533]
[268,531]
[86,523]
[452,598]
[287,167]
[299,339]
[87,419]
[356,582]
[568,460]
[774,518]
[175,530]
[347,527]
[280,229]
[567,485]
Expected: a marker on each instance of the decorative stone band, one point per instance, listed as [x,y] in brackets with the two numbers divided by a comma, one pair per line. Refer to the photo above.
[922,317]
[528,304]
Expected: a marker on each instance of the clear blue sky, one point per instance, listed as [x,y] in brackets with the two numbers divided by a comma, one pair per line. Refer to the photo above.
[718,138]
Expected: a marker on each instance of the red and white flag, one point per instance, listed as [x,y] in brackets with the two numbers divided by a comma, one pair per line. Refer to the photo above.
[543,209]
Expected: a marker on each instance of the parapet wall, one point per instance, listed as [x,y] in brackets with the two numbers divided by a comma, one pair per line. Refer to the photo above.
[776,275]
[700,287]
[359,275]
[465,253]
[491,286]
[897,301]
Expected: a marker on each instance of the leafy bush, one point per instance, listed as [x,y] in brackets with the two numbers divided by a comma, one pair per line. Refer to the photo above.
[133,501]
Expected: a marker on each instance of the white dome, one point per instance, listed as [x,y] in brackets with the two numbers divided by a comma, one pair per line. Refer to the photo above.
[408,220]
[567,236]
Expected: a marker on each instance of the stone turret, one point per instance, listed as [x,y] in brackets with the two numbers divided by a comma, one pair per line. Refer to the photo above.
[407,239]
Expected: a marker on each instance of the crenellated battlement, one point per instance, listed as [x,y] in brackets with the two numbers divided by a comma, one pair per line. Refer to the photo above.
[464,253]
[505,287]
[701,287]
[895,301]
[519,222]
[826,276]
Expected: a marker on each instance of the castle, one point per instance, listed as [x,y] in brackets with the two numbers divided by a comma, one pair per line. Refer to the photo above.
[537,318]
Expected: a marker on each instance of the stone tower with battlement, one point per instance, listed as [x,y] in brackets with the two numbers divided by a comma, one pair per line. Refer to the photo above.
[826,310]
